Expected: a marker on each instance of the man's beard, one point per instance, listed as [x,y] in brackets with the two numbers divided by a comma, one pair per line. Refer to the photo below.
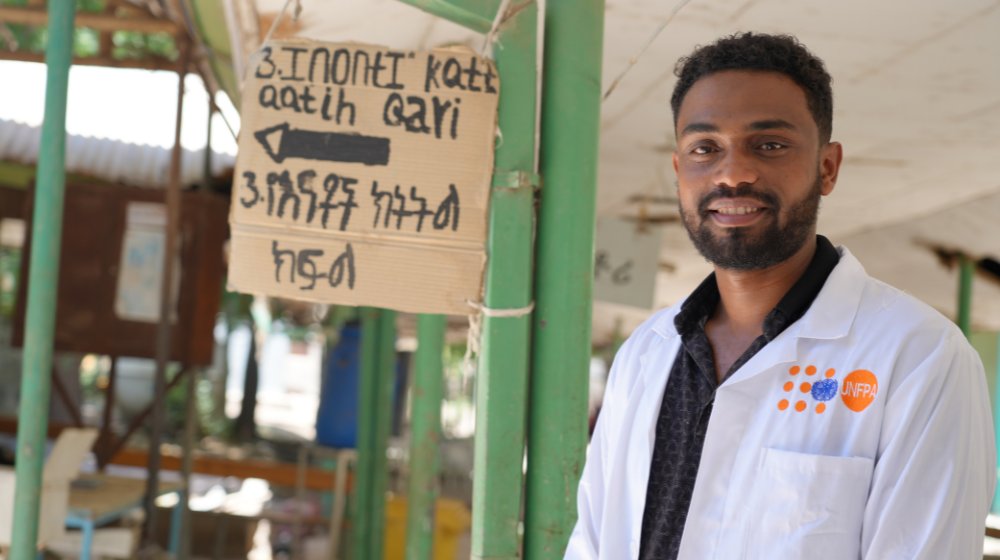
[739,249]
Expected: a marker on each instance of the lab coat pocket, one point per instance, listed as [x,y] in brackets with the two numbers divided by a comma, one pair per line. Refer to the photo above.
[806,506]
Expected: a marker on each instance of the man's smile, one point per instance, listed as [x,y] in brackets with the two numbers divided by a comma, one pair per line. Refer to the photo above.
[738,210]
[735,212]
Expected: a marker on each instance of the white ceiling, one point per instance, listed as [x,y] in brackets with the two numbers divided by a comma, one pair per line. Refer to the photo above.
[917,108]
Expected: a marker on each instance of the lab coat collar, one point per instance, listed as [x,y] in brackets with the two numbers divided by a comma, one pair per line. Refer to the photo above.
[833,311]
[829,317]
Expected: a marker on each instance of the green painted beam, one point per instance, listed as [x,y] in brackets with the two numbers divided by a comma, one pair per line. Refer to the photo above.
[557,433]
[380,470]
[425,436]
[476,15]
[208,17]
[378,358]
[368,384]
[502,378]
[966,270]
[46,238]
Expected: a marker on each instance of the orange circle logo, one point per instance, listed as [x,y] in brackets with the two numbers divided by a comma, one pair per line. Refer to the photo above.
[859,389]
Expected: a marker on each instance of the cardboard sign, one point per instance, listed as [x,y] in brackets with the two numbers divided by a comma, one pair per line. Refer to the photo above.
[363,176]
[625,262]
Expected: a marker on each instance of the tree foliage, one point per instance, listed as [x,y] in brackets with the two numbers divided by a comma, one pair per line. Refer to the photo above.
[125,45]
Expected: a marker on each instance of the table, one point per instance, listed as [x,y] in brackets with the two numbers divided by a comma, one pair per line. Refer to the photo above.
[96,500]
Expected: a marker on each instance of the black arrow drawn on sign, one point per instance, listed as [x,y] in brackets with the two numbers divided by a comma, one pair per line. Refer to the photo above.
[282,141]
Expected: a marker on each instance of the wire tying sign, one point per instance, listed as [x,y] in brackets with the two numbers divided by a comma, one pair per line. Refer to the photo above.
[363,176]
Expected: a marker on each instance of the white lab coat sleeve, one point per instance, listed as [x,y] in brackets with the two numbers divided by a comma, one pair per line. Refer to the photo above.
[584,542]
[585,539]
[936,467]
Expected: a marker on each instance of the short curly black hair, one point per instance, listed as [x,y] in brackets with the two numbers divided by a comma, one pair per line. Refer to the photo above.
[769,53]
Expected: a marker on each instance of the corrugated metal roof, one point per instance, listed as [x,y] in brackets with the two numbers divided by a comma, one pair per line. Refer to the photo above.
[110,160]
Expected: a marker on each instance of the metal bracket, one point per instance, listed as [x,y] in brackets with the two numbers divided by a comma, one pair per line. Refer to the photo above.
[516,179]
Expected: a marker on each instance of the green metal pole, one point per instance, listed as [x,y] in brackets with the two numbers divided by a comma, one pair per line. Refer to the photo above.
[502,380]
[476,15]
[383,426]
[368,384]
[378,358]
[967,268]
[557,432]
[425,436]
[46,238]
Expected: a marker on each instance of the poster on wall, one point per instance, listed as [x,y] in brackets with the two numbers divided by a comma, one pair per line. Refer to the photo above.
[140,272]
[363,176]
[626,260]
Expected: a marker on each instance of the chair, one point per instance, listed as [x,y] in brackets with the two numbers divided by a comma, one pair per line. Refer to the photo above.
[61,467]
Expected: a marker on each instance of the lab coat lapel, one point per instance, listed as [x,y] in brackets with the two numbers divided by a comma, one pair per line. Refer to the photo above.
[829,317]
[654,367]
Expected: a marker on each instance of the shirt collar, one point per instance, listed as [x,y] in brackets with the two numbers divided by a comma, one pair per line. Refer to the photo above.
[699,306]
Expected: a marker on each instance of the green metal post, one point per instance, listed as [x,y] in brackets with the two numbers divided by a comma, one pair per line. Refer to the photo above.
[380,471]
[368,384]
[425,436]
[967,268]
[557,431]
[476,15]
[502,379]
[378,350]
[46,238]
[501,384]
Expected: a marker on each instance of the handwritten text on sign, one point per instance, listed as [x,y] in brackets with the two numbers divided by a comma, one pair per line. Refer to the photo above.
[363,176]
[626,259]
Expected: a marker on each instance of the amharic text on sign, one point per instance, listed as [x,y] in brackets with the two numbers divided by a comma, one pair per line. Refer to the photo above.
[363,176]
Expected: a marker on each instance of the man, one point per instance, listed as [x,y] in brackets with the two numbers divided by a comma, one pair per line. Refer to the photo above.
[792,407]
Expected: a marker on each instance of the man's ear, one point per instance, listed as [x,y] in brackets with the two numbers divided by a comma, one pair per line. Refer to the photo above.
[673,157]
[830,157]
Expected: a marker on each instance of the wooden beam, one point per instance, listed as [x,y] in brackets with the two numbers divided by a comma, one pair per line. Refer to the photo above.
[106,61]
[101,22]
[8,425]
[111,448]
[279,474]
[63,393]
[105,43]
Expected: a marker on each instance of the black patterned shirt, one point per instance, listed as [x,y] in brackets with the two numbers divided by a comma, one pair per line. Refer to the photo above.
[690,393]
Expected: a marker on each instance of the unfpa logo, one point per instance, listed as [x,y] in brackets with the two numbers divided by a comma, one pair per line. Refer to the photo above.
[857,390]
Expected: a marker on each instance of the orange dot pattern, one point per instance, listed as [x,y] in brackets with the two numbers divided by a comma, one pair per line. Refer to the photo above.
[805,388]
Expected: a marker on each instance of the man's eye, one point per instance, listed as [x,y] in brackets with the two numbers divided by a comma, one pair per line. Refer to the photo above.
[702,150]
[771,146]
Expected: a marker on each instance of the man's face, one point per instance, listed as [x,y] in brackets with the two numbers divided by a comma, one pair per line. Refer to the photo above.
[750,168]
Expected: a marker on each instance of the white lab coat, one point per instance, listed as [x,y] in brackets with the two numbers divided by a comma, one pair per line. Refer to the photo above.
[909,476]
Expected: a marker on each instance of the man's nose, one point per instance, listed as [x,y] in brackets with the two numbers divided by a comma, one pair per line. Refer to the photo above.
[735,168]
